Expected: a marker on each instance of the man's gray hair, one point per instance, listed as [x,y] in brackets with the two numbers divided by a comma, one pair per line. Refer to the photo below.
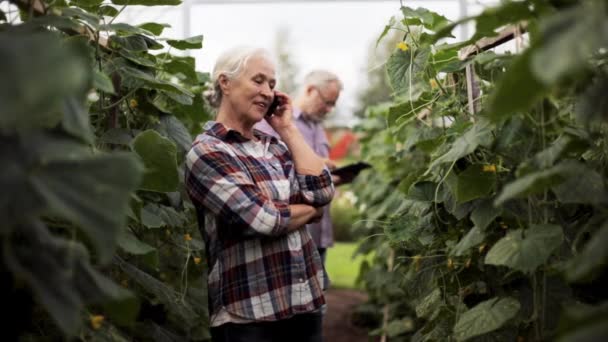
[231,63]
[321,78]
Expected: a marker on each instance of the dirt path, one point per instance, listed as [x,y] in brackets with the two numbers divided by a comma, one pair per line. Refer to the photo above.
[337,326]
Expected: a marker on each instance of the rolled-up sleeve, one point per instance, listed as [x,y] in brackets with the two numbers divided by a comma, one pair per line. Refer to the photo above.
[316,191]
[220,184]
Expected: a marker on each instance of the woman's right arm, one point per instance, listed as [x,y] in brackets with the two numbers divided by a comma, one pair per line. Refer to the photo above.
[218,182]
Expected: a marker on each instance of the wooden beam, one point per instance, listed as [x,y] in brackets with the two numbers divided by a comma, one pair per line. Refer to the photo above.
[488,43]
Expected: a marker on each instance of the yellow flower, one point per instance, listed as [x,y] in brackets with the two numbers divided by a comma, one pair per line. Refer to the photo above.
[133,103]
[187,237]
[96,321]
[489,168]
[467,264]
[450,263]
[402,46]
[433,84]
[482,248]
[197,260]
[125,282]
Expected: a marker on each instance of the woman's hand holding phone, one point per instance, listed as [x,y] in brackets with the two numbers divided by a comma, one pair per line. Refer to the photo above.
[281,117]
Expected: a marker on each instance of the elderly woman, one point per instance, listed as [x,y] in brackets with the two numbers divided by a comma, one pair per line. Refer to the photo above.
[254,195]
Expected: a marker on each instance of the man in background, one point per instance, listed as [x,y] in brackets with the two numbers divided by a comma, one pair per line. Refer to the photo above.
[317,97]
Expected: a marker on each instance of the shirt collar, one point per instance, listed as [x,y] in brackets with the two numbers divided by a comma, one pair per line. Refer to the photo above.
[224,133]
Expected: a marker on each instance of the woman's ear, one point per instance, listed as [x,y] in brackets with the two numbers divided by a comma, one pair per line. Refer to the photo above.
[224,83]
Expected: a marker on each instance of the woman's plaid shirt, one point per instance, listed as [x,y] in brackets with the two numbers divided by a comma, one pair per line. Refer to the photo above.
[242,190]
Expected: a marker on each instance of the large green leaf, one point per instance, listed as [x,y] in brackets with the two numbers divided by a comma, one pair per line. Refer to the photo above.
[474,183]
[38,73]
[155,28]
[102,82]
[424,17]
[195,42]
[473,238]
[176,131]
[516,91]
[76,120]
[566,42]
[155,83]
[134,43]
[478,134]
[484,214]
[406,73]
[179,66]
[485,317]
[124,29]
[546,158]
[525,250]
[60,275]
[572,181]
[592,259]
[91,190]
[160,158]
[131,244]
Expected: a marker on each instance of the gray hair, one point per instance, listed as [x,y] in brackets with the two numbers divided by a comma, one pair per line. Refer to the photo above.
[230,64]
[321,78]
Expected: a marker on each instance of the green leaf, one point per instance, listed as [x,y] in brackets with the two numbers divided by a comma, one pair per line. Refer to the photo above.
[484,214]
[60,275]
[154,83]
[86,3]
[76,120]
[102,82]
[92,191]
[565,42]
[496,17]
[406,73]
[155,28]
[135,43]
[176,131]
[582,185]
[183,67]
[516,91]
[387,28]
[485,317]
[131,244]
[474,183]
[159,157]
[38,74]
[150,216]
[125,29]
[143,59]
[525,250]
[147,2]
[424,17]
[195,42]
[91,19]
[473,238]
[429,304]
[108,11]
[478,134]
[400,326]
[588,264]
[561,178]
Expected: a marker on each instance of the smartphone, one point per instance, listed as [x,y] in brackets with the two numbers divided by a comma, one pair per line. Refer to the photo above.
[273,106]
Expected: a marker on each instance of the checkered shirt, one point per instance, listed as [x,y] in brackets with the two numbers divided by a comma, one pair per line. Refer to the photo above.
[242,189]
